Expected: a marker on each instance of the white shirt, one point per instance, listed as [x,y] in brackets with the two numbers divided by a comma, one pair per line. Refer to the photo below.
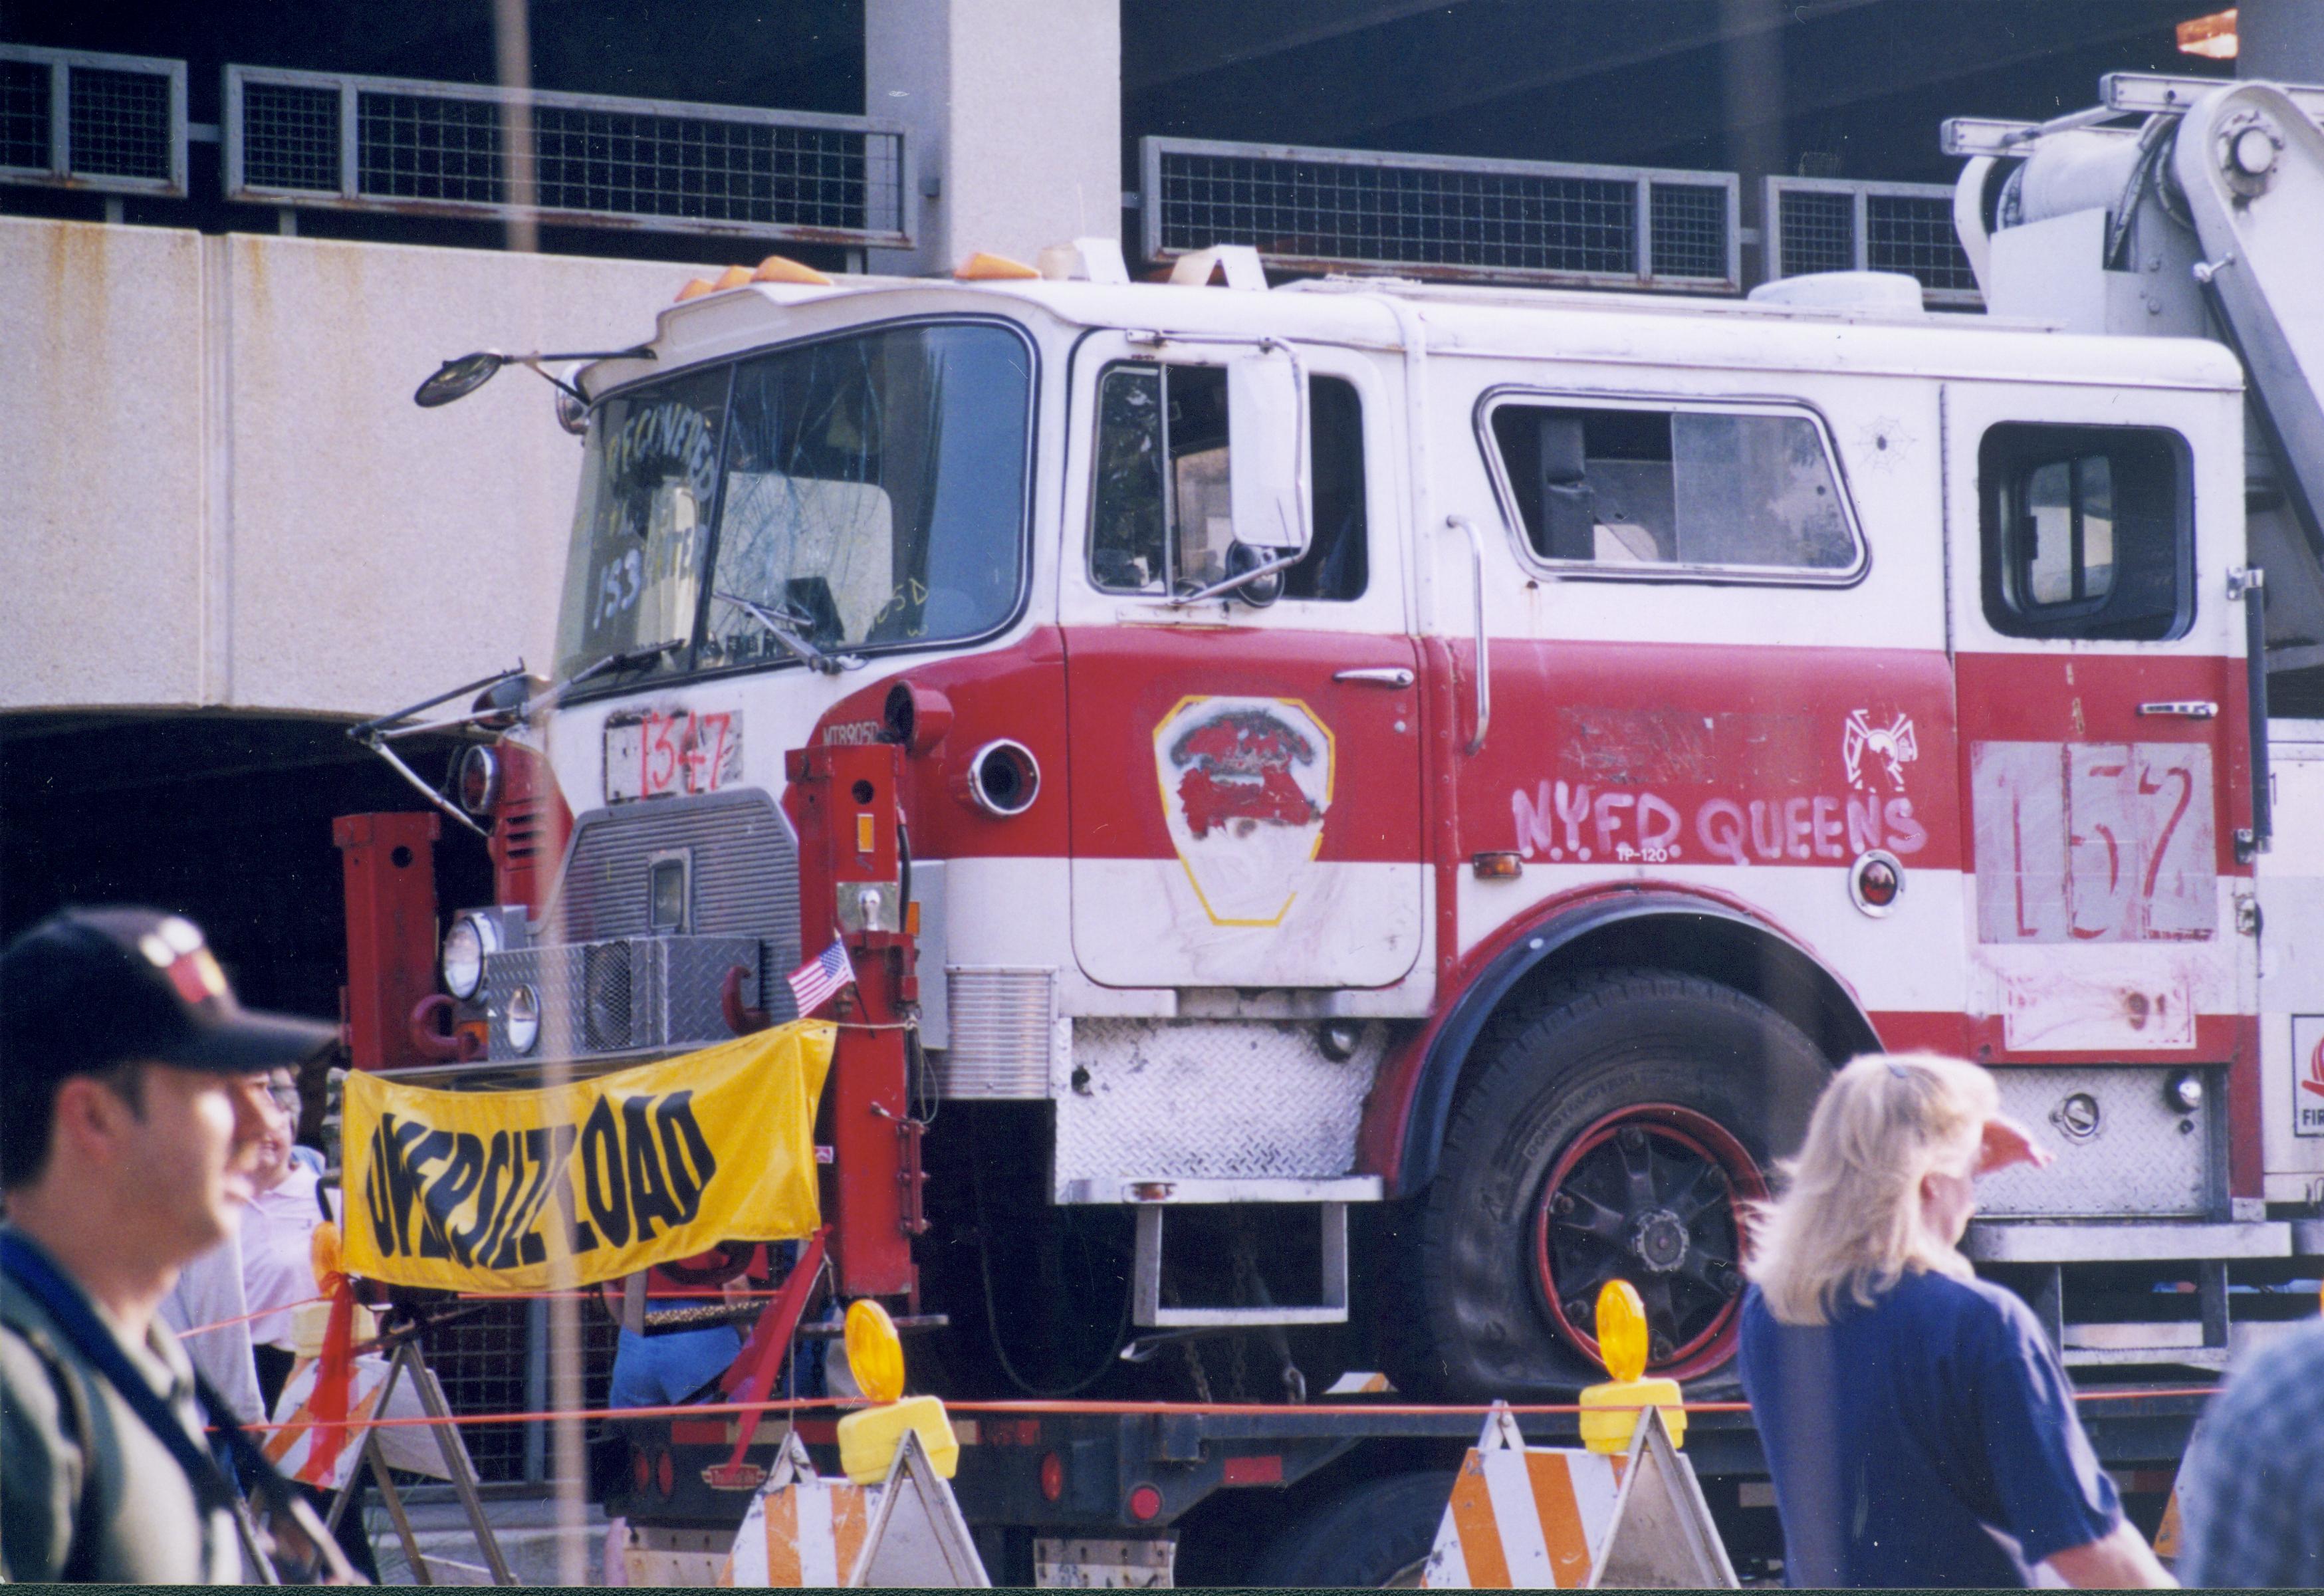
[277,1254]
[209,1300]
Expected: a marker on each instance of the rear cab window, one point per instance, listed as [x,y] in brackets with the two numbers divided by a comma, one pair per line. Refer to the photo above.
[1662,491]
[2086,531]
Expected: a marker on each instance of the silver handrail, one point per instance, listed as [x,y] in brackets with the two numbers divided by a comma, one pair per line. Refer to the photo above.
[1484,665]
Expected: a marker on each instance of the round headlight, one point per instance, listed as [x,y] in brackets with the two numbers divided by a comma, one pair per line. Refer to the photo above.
[2186,1092]
[480,780]
[471,938]
[524,1020]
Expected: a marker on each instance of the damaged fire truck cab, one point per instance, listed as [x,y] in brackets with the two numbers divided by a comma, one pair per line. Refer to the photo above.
[1490,753]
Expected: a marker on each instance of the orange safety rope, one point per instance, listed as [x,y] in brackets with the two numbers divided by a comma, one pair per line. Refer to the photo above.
[247,1318]
[1118,1409]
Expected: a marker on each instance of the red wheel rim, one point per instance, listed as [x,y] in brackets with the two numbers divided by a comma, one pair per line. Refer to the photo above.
[1660,1234]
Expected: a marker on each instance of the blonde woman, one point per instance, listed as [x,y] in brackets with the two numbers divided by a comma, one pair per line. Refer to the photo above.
[1916,1421]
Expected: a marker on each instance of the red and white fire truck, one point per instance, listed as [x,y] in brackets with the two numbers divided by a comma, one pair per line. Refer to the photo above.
[1362,809]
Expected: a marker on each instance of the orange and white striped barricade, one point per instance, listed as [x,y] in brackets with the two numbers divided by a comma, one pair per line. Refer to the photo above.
[1562,1517]
[804,1530]
[801,1529]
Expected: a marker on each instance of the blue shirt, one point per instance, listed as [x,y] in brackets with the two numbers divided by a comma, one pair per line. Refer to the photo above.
[2251,1496]
[1928,1440]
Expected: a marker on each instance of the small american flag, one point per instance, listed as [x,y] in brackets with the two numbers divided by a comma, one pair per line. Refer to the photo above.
[814,983]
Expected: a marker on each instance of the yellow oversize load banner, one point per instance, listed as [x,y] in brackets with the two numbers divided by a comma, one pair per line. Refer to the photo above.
[521,1191]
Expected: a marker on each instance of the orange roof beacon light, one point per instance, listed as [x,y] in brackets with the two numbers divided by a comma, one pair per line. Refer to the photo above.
[981,267]
[868,1439]
[733,277]
[2212,37]
[1610,1412]
[783,269]
[695,291]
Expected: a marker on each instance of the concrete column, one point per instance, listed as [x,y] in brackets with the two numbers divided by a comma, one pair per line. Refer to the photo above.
[2280,39]
[1014,111]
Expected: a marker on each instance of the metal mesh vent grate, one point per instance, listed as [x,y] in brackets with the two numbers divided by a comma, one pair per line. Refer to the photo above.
[1840,224]
[1816,232]
[1438,216]
[407,147]
[120,123]
[1688,224]
[441,147]
[122,120]
[704,169]
[290,137]
[24,115]
[1913,234]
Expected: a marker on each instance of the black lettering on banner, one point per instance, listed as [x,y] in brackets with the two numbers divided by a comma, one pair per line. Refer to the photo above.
[425,1150]
[682,1142]
[375,1201]
[648,1186]
[454,1188]
[603,1185]
[475,1242]
[518,1243]
[580,1237]
[393,1187]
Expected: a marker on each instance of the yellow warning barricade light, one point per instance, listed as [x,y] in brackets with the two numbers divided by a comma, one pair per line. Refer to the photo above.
[875,1353]
[868,1440]
[1610,1412]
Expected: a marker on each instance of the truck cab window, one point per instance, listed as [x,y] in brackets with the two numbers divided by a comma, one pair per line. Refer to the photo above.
[1160,520]
[1631,490]
[2088,531]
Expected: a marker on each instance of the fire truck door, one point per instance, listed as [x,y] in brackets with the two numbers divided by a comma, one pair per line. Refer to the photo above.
[1246,777]
[2103,734]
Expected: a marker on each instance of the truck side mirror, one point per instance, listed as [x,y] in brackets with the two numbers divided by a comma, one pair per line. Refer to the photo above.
[1266,444]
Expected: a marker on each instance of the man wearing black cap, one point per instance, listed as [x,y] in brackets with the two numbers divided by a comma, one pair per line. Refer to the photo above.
[132,1099]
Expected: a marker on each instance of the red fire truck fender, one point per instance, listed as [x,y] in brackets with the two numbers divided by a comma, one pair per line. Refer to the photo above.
[1403,1133]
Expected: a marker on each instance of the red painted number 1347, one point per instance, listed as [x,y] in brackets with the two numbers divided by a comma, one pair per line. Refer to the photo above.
[686,752]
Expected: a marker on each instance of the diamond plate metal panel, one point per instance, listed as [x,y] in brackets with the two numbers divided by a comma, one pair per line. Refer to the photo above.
[1209,1099]
[1001,1033]
[2146,1157]
[622,996]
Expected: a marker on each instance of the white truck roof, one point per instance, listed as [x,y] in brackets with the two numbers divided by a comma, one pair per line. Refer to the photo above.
[1653,331]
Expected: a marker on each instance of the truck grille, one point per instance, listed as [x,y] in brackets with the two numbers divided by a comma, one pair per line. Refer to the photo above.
[745,869]
[608,980]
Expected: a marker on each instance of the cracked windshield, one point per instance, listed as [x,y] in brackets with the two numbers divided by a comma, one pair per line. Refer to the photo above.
[864,492]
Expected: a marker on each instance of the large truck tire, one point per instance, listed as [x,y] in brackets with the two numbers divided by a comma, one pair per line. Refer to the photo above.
[1375,1535]
[1613,1127]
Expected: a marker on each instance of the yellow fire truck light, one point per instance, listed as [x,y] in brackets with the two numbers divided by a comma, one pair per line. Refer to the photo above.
[2213,36]
[695,291]
[783,269]
[875,1353]
[733,277]
[1498,867]
[1621,1331]
[981,267]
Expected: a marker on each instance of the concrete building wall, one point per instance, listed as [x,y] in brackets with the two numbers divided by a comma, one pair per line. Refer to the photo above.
[1014,109]
[217,492]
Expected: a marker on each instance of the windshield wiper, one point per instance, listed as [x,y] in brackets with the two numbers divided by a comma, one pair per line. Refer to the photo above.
[791,630]
[624,659]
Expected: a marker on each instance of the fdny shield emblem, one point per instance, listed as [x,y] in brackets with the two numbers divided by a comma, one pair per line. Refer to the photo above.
[1245,787]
